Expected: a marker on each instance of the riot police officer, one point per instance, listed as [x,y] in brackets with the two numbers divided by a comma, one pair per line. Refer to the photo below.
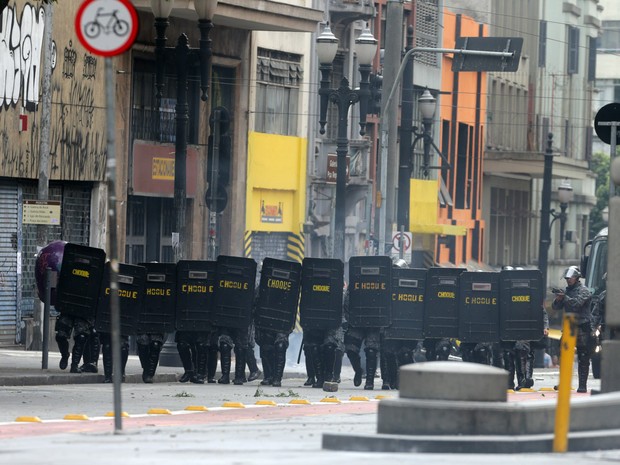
[149,348]
[576,299]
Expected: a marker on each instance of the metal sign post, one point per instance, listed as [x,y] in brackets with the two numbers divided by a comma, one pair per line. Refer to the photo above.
[108,28]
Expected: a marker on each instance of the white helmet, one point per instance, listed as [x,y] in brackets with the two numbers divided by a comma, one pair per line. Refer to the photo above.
[401,263]
[572,272]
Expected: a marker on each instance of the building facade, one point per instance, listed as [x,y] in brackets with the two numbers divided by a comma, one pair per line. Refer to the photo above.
[144,143]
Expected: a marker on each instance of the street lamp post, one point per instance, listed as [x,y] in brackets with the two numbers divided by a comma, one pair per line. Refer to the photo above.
[565,195]
[426,104]
[343,97]
[181,54]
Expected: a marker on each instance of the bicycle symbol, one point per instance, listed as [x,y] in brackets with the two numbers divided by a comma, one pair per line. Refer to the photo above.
[113,23]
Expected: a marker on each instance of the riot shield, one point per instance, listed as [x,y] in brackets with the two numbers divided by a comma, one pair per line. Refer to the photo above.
[234,292]
[521,303]
[441,315]
[131,282]
[157,313]
[408,286]
[278,297]
[322,284]
[479,307]
[369,292]
[194,296]
[79,281]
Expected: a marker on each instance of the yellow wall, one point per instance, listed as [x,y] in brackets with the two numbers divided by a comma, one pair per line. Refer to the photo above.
[276,189]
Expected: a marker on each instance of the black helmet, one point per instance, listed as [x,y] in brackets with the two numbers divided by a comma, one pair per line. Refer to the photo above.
[572,272]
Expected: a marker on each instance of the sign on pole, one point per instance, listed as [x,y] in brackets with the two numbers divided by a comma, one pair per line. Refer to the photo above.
[480,62]
[603,120]
[106,27]
[407,239]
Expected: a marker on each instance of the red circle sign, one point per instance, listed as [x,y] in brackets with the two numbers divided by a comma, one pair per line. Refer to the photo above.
[106,27]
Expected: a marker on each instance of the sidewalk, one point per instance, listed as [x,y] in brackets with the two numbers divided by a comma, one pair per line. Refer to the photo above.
[23,368]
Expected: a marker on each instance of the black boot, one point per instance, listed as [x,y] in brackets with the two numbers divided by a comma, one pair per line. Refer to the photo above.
[329,363]
[392,373]
[338,366]
[509,365]
[124,358]
[225,352]
[309,366]
[583,370]
[143,355]
[371,368]
[202,354]
[155,349]
[63,347]
[79,341]
[521,369]
[354,358]
[267,356]
[319,370]
[91,354]
[185,354]
[250,359]
[240,366]
[107,363]
[280,362]
[211,364]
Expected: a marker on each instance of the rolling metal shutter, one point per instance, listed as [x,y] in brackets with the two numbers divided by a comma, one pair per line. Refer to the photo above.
[8,262]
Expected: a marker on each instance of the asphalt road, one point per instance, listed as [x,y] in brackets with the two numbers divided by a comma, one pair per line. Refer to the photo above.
[239,433]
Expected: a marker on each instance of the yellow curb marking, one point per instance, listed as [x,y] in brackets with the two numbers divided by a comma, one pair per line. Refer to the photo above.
[266,402]
[382,397]
[233,405]
[75,416]
[111,414]
[29,419]
[333,400]
[359,399]
[526,390]
[300,401]
[548,389]
[196,408]
[159,411]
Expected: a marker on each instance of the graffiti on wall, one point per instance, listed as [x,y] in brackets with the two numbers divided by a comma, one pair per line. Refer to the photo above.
[77,132]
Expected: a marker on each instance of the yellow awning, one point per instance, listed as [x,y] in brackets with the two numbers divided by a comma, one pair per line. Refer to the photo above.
[423,203]
[442,229]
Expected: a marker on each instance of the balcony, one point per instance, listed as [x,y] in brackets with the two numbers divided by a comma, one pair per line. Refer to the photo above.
[347,11]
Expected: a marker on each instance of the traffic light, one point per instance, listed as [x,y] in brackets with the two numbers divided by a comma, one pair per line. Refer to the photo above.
[376,85]
[219,153]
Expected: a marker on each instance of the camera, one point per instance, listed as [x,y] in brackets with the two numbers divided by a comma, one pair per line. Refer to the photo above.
[557,290]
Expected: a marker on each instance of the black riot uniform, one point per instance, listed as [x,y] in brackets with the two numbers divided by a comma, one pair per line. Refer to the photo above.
[321,317]
[353,339]
[193,348]
[576,299]
[81,329]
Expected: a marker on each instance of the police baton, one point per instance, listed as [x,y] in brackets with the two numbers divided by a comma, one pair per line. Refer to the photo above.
[301,347]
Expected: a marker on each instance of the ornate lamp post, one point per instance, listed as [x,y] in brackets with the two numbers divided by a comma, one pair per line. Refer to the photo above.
[565,194]
[180,57]
[343,97]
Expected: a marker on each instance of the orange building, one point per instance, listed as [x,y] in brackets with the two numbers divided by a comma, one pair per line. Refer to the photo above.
[462,115]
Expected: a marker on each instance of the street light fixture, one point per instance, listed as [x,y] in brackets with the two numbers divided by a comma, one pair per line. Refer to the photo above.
[181,55]
[565,195]
[427,104]
[343,97]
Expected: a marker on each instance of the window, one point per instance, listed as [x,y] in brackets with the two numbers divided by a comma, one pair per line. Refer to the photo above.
[279,76]
[610,37]
[572,66]
[542,44]
[592,46]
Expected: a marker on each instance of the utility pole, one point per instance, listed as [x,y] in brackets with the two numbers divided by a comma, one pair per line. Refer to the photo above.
[44,141]
[389,130]
[406,123]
